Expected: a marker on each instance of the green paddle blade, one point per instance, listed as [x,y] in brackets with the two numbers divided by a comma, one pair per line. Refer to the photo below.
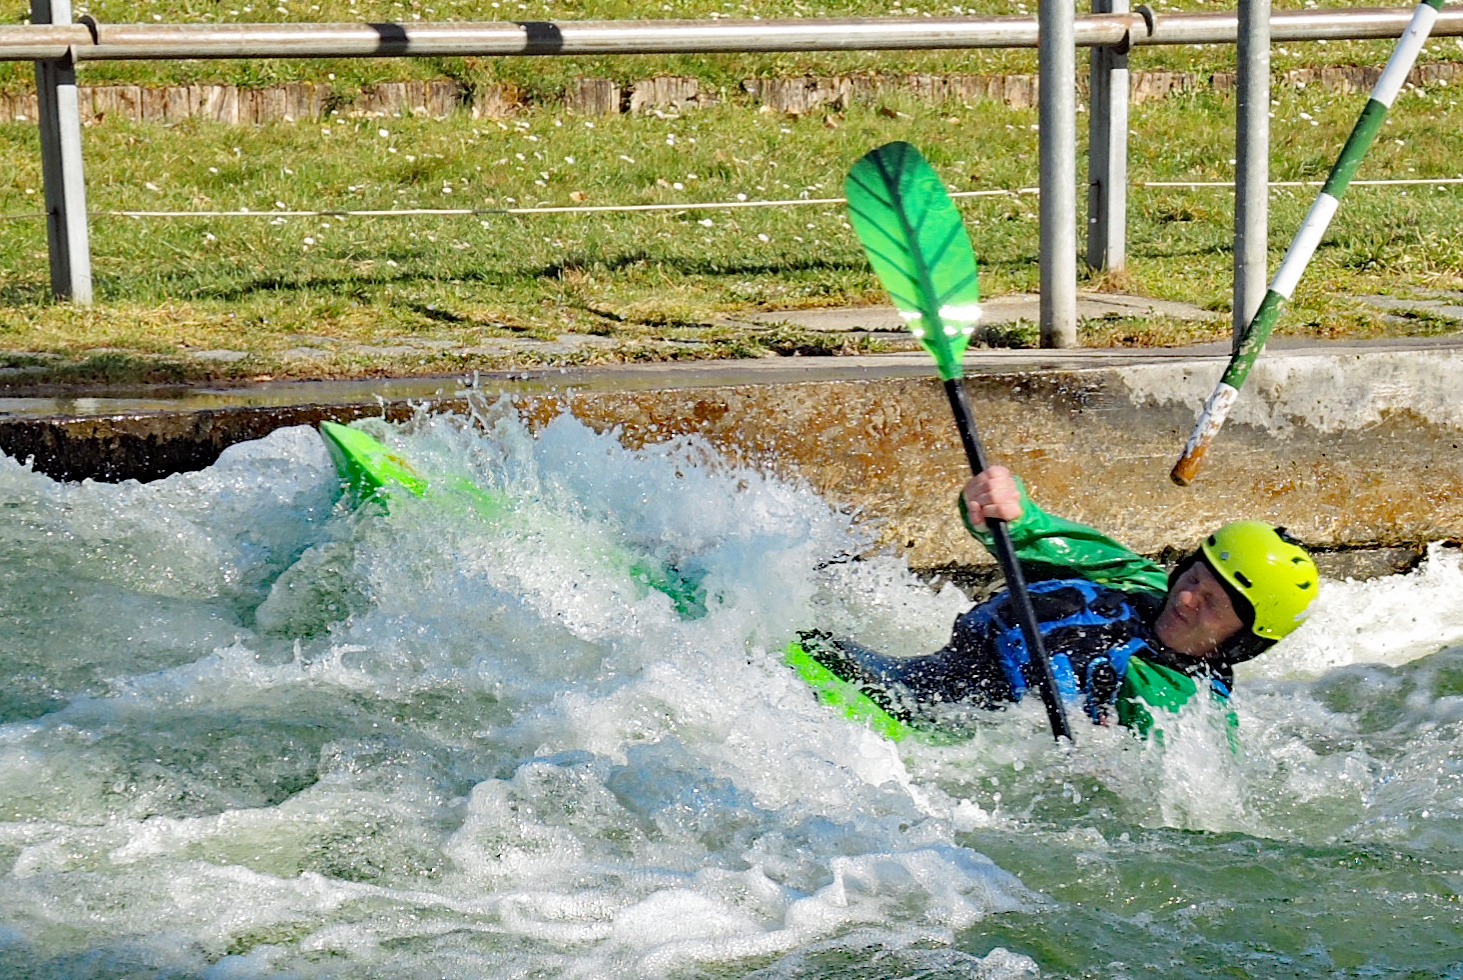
[916,242]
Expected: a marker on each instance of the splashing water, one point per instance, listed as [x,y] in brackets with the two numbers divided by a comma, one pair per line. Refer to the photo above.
[245,732]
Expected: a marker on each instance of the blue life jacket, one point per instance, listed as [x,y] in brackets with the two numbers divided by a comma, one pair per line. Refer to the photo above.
[1091,634]
[1089,631]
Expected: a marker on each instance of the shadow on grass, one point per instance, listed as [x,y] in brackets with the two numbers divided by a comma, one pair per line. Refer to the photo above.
[350,286]
[184,286]
[785,339]
[436,314]
[26,293]
[693,265]
[1152,250]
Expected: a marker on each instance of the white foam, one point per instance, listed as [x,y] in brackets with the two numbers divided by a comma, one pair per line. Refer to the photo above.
[265,734]
[1391,620]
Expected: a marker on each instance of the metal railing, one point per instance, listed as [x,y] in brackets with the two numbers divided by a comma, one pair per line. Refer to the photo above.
[91,40]
[57,45]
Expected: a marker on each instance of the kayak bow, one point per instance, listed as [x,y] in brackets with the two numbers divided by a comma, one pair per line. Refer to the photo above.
[370,470]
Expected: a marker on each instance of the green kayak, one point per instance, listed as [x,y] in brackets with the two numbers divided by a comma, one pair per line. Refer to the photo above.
[371,472]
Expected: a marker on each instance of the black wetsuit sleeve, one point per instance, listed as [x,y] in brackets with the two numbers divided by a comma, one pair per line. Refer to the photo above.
[964,671]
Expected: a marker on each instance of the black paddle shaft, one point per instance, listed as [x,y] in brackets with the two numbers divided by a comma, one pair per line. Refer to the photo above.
[1056,712]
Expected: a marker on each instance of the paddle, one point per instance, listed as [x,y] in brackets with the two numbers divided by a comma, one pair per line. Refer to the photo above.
[917,244]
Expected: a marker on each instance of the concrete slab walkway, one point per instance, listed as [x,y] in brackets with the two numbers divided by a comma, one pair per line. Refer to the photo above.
[1000,310]
[876,321]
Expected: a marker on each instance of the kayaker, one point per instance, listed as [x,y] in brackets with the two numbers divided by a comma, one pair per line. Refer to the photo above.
[1122,634]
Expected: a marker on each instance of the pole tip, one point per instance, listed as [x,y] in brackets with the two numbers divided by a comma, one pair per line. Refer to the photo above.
[1186,468]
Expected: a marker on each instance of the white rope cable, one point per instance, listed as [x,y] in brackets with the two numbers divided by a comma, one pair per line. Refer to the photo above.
[691,206]
[1299,183]
[563,209]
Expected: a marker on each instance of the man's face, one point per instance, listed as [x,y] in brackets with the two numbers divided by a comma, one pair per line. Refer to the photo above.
[1198,615]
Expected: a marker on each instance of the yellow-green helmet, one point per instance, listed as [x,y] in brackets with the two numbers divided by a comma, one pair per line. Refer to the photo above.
[1268,569]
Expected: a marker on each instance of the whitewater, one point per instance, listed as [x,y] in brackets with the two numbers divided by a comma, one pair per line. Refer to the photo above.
[247,731]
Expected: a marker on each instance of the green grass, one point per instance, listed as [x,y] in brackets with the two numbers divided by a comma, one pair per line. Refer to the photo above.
[340,296]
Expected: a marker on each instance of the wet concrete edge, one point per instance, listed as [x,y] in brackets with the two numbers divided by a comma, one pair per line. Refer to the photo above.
[155,441]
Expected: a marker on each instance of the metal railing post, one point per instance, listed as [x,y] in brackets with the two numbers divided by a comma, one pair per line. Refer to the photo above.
[61,166]
[1057,109]
[1107,151]
[1252,163]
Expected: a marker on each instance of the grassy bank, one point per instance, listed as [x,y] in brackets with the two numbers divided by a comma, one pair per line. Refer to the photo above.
[244,297]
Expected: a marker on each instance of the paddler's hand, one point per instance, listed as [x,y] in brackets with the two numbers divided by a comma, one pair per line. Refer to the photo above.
[992,493]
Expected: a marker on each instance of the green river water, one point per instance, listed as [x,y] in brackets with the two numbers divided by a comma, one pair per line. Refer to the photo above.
[248,733]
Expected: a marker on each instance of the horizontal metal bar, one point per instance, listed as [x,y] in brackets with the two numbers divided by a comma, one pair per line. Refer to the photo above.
[41,42]
[1371,23]
[92,41]
[570,37]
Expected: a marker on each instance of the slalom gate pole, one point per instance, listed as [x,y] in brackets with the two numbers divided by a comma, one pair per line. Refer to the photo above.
[1306,240]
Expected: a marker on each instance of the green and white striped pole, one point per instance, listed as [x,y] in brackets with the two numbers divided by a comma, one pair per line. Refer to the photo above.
[1303,246]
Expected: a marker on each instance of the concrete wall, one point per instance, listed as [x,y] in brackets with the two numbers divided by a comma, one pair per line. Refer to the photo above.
[1347,450]
[1348,446]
